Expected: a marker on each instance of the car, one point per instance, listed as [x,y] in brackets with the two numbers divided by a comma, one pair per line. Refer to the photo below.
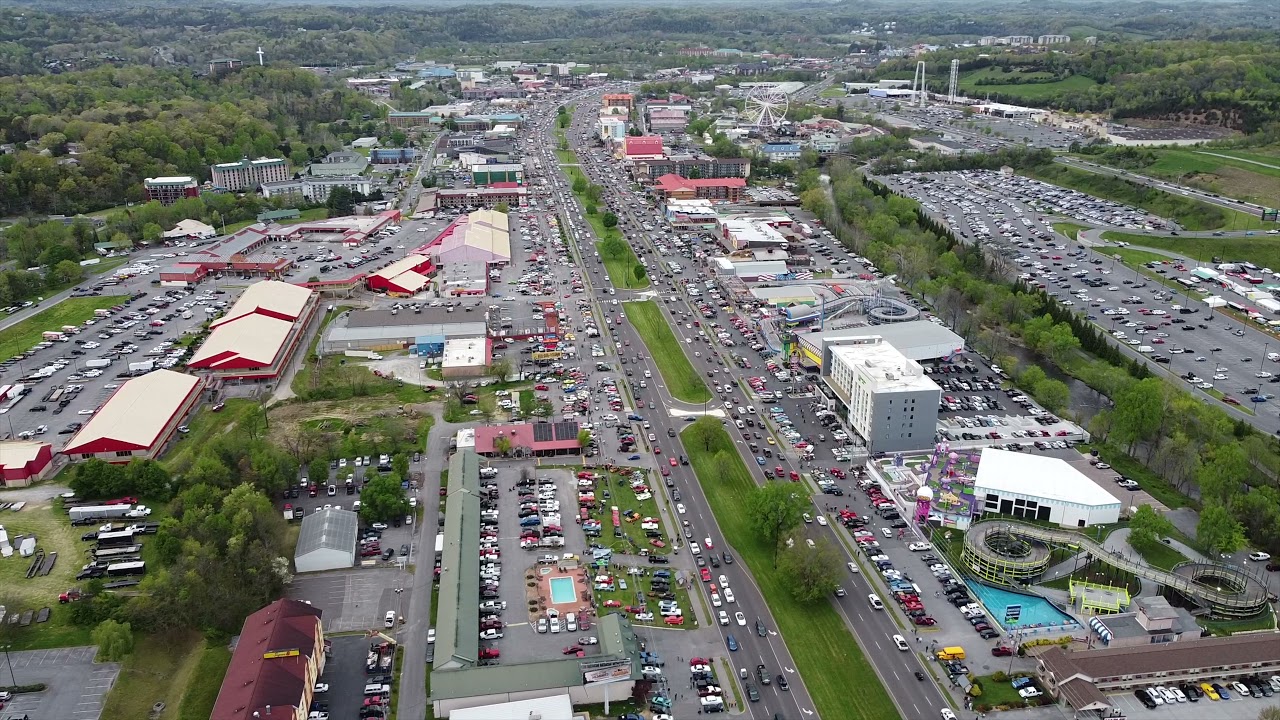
[740,618]
[919,547]
[731,642]
[1002,651]
[728,595]
[822,521]
[752,693]
[707,542]
[1209,691]
[947,714]
[1029,692]
[1259,556]
[322,687]
[901,643]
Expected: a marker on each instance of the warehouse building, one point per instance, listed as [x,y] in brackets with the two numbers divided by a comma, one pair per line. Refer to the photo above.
[327,541]
[887,398]
[23,462]
[257,337]
[494,173]
[1037,487]
[482,236]
[279,656]
[245,253]
[138,420]
[423,332]
[407,276]
[465,357]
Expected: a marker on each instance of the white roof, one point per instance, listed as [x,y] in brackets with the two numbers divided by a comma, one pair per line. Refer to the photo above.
[270,296]
[190,227]
[136,414]
[485,231]
[16,453]
[916,339]
[556,707]
[1003,471]
[883,367]
[464,352]
[258,338]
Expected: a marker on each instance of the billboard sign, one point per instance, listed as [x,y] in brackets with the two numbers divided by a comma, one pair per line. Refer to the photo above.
[612,673]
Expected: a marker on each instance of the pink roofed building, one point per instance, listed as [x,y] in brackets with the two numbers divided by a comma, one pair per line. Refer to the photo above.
[642,147]
[674,187]
[539,439]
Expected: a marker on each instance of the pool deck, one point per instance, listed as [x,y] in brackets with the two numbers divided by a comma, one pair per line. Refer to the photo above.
[541,598]
[997,613]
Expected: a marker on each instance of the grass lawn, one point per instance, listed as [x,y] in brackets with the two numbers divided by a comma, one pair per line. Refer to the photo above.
[55,534]
[160,669]
[1190,214]
[1157,554]
[1099,573]
[682,380]
[633,538]
[72,311]
[202,692]
[833,92]
[998,693]
[205,426]
[1069,229]
[308,215]
[968,83]
[841,682]
[1261,250]
[1129,256]
[1123,464]
[1265,621]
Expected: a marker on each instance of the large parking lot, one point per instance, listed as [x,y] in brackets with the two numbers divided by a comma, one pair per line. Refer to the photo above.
[1237,708]
[76,686]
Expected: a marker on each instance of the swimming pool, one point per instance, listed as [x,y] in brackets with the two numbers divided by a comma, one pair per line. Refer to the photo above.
[1016,611]
[562,590]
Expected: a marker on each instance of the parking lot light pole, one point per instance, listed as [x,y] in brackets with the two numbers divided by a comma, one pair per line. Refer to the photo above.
[12,681]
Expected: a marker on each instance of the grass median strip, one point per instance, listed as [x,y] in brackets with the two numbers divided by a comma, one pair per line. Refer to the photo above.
[72,311]
[682,380]
[835,671]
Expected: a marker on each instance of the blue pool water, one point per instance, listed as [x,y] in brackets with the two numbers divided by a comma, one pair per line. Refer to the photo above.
[562,590]
[1033,612]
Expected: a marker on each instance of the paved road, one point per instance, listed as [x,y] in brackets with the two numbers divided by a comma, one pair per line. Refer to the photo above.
[872,629]
[754,650]
[1229,203]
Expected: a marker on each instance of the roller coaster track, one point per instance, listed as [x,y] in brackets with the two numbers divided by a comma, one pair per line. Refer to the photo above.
[1247,597]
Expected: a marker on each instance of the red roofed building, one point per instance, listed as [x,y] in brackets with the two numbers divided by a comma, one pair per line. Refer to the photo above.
[138,420]
[273,671]
[642,147]
[259,333]
[622,100]
[674,187]
[404,277]
[540,439]
[23,462]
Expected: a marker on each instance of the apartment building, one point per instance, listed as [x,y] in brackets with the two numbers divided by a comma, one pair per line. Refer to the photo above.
[247,174]
[891,402]
[168,190]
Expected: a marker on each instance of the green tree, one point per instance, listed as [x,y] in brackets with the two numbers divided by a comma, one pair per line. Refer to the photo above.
[67,272]
[1147,527]
[400,465]
[584,438]
[594,192]
[148,478]
[152,233]
[707,432]
[610,220]
[96,479]
[1053,394]
[775,509]
[399,138]
[1138,412]
[639,273]
[383,499]
[591,208]
[1218,530]
[502,207]
[579,185]
[114,640]
[318,470]
[812,573]
[1223,473]
[499,370]
[502,444]
[342,201]
[209,470]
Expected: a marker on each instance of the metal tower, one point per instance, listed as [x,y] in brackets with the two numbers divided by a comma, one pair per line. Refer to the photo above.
[917,85]
[955,79]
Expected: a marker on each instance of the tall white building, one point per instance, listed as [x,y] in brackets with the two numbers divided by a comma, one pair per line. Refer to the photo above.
[248,174]
[1053,39]
[890,400]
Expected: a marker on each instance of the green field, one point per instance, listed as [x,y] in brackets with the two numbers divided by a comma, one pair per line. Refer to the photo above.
[833,92]
[840,680]
[1236,178]
[1032,91]
[202,693]
[72,311]
[1069,229]
[1261,250]
[1157,554]
[303,216]
[159,670]
[1190,214]
[682,380]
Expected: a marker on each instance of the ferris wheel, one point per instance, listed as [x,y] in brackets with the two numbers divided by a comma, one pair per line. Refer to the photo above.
[767,107]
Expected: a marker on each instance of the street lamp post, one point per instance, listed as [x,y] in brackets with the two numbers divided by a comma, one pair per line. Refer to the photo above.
[12,680]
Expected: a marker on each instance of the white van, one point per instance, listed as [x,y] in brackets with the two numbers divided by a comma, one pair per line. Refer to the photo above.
[375,689]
